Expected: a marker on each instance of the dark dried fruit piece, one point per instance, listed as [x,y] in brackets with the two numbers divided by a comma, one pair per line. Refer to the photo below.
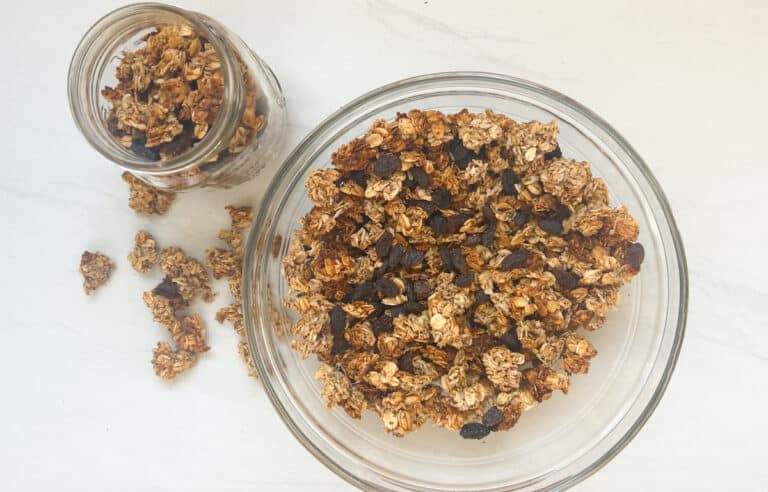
[386,165]
[551,225]
[516,259]
[396,311]
[521,218]
[410,183]
[439,224]
[445,257]
[384,244]
[554,154]
[167,288]
[474,430]
[414,307]
[634,255]
[359,177]
[378,309]
[567,280]
[488,213]
[382,324]
[395,255]
[361,291]
[340,345]
[420,177]
[464,279]
[140,149]
[412,258]
[508,181]
[492,417]
[427,206]
[421,290]
[338,320]
[387,287]
[441,198]
[488,235]
[458,262]
[510,339]
[481,297]
[473,239]
[455,222]
[405,362]
[561,212]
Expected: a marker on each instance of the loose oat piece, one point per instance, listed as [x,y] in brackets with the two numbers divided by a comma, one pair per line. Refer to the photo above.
[446,266]
[245,355]
[145,255]
[170,92]
[169,363]
[95,269]
[145,199]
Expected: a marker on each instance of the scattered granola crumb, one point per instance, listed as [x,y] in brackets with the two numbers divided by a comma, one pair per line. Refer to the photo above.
[446,266]
[144,256]
[169,363]
[241,217]
[145,199]
[95,269]
[245,355]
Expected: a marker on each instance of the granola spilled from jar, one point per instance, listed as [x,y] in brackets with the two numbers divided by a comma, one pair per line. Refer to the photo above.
[146,199]
[145,254]
[447,269]
[95,269]
[169,94]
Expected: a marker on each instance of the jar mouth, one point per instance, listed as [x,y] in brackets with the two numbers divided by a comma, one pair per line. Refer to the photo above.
[97,53]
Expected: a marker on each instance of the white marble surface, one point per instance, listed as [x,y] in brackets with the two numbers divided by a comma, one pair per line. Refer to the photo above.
[80,410]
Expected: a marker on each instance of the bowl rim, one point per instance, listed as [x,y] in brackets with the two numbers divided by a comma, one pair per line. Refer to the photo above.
[475,76]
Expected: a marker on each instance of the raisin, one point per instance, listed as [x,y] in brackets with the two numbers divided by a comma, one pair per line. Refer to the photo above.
[508,181]
[439,224]
[410,183]
[521,218]
[420,176]
[378,309]
[551,225]
[510,339]
[413,307]
[338,320]
[455,222]
[458,262]
[361,291]
[516,259]
[386,165]
[492,417]
[384,244]
[420,290]
[488,235]
[340,344]
[445,256]
[473,239]
[441,198]
[481,297]
[382,324]
[380,271]
[567,280]
[464,279]
[461,155]
[140,149]
[488,213]
[112,126]
[634,255]
[427,206]
[387,287]
[167,288]
[412,258]
[474,430]
[555,154]
[359,177]
[395,255]
[405,362]
[396,311]
[561,212]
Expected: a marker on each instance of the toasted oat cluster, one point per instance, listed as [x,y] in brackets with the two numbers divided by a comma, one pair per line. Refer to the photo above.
[146,199]
[228,262]
[448,266]
[95,269]
[170,92]
[145,254]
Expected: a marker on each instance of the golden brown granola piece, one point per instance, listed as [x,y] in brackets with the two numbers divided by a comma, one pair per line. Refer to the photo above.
[169,363]
[188,273]
[241,217]
[189,334]
[245,355]
[145,199]
[578,354]
[234,314]
[145,255]
[222,262]
[95,269]
[163,309]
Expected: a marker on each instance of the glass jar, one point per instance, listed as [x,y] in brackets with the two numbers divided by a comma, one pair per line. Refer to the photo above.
[233,128]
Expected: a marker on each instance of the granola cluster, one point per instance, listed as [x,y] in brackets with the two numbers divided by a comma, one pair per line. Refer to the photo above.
[95,269]
[228,262]
[146,199]
[447,266]
[170,92]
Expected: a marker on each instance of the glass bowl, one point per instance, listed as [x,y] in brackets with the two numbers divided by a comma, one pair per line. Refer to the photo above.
[559,442]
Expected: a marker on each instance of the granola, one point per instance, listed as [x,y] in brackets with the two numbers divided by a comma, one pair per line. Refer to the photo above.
[447,266]
[95,269]
[146,199]
[170,92]
[145,254]
[169,363]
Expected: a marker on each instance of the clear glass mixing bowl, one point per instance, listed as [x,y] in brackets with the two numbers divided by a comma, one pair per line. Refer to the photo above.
[559,442]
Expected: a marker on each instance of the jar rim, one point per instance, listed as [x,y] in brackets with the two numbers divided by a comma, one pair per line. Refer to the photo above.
[83,89]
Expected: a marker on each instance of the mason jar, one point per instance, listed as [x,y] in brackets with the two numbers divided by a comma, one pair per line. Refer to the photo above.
[175,98]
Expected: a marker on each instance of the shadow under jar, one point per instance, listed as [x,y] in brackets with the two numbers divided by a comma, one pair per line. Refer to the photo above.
[175,98]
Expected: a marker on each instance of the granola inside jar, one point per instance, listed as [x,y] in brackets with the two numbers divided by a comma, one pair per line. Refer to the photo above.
[175,98]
